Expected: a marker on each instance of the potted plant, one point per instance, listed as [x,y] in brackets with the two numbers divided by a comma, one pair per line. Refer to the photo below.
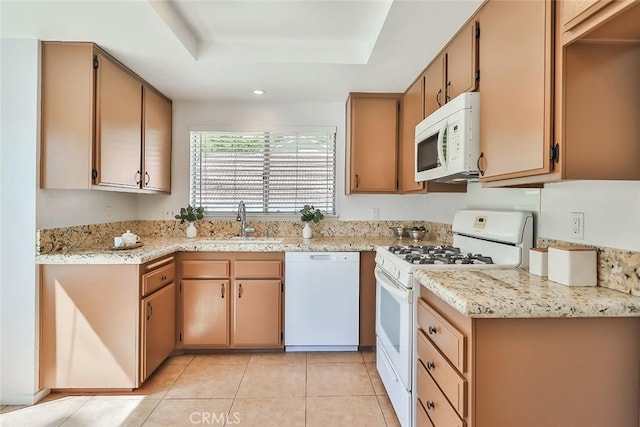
[307,214]
[190,215]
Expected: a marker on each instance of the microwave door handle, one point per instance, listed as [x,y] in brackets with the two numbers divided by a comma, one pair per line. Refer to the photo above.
[441,158]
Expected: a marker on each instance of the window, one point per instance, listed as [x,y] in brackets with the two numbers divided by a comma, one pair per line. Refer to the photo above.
[272,172]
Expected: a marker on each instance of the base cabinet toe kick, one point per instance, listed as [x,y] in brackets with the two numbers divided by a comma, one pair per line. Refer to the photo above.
[529,372]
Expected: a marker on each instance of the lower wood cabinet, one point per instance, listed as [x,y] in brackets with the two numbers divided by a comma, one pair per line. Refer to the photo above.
[230,300]
[158,323]
[205,318]
[503,372]
[257,313]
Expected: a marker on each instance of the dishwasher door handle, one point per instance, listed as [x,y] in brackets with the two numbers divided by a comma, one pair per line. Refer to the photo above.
[322,257]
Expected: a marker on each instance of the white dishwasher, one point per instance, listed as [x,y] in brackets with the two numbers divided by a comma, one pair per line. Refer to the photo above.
[321,308]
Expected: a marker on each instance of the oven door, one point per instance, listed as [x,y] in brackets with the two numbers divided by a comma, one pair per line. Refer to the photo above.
[394,324]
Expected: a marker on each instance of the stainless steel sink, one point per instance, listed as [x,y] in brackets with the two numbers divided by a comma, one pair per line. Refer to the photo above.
[239,239]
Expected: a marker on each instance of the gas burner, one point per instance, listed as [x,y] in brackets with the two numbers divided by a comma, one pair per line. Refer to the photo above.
[415,254]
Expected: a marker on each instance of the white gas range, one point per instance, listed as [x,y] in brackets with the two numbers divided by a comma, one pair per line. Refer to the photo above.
[481,239]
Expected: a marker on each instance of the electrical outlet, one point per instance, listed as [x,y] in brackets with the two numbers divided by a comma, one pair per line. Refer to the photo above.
[168,214]
[107,212]
[375,214]
[576,225]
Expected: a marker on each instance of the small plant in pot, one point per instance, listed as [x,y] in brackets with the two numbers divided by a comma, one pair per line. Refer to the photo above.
[190,214]
[308,214]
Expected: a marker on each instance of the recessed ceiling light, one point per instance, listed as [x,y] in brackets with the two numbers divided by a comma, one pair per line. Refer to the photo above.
[258,92]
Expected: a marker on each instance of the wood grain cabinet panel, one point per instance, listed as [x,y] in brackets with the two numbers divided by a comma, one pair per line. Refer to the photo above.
[434,82]
[158,322]
[156,164]
[257,313]
[434,401]
[205,306]
[372,142]
[92,133]
[257,269]
[158,278]
[118,121]
[515,119]
[445,336]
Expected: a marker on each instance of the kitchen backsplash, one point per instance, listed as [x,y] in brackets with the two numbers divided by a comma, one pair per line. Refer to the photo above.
[101,235]
[617,268]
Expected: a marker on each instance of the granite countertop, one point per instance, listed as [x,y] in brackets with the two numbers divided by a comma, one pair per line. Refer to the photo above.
[515,293]
[153,248]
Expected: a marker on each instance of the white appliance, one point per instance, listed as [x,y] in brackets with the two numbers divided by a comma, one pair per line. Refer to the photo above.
[481,239]
[322,297]
[448,141]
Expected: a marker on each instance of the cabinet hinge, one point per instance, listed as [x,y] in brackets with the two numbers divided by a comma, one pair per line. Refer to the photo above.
[477,30]
[180,286]
[95,62]
[477,74]
[554,155]
[94,173]
[281,287]
[281,336]
[180,337]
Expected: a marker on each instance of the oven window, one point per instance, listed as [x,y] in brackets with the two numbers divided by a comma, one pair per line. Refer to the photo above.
[428,153]
[390,318]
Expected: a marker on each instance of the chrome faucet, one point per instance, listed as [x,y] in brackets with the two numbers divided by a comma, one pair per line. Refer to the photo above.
[242,217]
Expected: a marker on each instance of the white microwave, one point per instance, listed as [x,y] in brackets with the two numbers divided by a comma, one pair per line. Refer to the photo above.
[448,141]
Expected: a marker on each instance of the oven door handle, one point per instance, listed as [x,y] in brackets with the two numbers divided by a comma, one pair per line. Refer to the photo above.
[389,284]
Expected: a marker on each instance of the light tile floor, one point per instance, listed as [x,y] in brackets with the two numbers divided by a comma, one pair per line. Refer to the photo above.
[259,389]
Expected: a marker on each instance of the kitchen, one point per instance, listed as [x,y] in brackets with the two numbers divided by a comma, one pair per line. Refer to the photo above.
[610,208]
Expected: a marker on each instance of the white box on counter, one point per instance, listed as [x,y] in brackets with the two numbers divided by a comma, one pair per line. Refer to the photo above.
[573,265]
[538,261]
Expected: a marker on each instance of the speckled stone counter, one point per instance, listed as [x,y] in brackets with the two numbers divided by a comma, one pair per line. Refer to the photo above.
[154,247]
[514,293]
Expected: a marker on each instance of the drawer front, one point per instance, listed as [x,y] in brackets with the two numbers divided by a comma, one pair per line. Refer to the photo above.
[258,269]
[440,411]
[153,281]
[446,338]
[448,379]
[422,419]
[205,269]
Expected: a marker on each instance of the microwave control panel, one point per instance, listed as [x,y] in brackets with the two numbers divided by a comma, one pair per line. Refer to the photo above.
[453,141]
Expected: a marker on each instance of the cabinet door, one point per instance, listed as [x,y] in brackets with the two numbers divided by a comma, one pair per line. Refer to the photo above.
[573,12]
[118,126]
[156,142]
[373,144]
[515,86]
[158,320]
[257,313]
[205,308]
[433,84]
[412,108]
[462,63]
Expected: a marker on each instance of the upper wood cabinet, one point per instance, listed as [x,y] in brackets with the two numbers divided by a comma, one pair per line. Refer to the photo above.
[372,142]
[515,88]
[574,12]
[453,71]
[98,121]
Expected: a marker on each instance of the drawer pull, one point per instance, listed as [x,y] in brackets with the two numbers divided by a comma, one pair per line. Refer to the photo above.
[240,290]
[430,366]
[430,404]
[222,290]
[432,330]
[163,277]
[149,310]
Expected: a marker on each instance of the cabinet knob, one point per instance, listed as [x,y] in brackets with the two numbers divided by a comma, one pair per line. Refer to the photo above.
[430,404]
[431,366]
[163,277]
[432,330]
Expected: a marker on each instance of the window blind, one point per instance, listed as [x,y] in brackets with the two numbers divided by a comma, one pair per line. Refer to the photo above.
[272,172]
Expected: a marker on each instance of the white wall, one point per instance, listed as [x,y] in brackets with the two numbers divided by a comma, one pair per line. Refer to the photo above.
[19,117]
[611,212]
[262,114]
